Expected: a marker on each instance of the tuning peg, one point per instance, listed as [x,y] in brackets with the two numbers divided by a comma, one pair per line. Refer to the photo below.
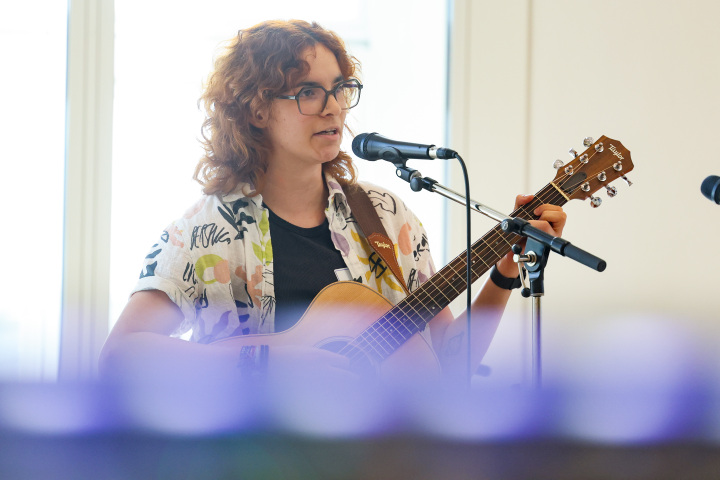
[611,191]
[584,158]
[595,201]
[599,147]
[587,141]
[628,181]
[557,164]
[573,152]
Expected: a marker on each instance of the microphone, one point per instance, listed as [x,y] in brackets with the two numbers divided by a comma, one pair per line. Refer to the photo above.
[711,188]
[372,146]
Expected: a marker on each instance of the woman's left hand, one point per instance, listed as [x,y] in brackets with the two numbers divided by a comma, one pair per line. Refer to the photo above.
[551,220]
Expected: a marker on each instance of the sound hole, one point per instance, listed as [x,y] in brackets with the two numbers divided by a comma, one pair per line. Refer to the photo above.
[360,362]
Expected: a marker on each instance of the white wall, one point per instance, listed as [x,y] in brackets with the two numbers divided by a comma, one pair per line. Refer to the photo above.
[529,81]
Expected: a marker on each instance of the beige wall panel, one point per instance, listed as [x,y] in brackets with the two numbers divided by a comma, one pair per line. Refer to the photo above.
[488,127]
[646,73]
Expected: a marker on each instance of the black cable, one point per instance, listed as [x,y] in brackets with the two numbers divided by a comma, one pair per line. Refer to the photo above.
[468,241]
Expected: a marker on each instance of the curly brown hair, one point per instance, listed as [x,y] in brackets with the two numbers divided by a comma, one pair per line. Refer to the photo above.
[260,63]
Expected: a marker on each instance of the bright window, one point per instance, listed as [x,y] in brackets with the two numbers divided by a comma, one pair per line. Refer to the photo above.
[162,57]
[33,51]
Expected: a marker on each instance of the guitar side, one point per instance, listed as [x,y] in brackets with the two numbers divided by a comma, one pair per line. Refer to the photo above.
[336,316]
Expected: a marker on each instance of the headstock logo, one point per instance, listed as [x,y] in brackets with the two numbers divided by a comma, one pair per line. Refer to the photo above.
[615,152]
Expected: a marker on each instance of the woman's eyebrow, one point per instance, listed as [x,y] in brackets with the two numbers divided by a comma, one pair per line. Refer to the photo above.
[337,80]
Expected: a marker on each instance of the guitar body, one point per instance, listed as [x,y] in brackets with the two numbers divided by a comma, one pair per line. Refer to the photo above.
[336,316]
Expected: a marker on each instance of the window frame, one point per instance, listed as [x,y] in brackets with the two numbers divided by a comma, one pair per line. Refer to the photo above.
[88,173]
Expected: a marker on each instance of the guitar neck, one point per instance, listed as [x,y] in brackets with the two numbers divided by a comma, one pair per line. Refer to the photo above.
[412,314]
[451,281]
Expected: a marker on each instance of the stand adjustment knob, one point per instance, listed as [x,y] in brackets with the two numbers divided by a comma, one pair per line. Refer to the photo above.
[530,258]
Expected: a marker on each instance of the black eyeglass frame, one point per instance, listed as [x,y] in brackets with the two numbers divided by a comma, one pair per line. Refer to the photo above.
[333,91]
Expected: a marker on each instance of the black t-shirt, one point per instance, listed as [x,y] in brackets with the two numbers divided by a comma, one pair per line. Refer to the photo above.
[304,262]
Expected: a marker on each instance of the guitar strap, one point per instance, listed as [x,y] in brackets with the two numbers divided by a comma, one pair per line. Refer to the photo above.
[370,224]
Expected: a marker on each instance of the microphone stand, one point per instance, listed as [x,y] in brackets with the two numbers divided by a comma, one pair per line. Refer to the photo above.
[418,182]
[538,248]
[534,262]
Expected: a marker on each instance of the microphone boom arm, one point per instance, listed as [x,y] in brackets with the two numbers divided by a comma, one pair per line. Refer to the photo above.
[418,182]
[508,224]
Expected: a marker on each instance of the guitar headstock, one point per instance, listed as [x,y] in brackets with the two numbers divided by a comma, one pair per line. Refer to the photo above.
[602,162]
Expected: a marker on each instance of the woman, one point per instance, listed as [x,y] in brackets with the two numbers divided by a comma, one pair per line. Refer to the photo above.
[276,106]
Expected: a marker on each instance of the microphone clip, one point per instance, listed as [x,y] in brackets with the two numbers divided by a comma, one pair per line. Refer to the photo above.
[393,155]
[414,178]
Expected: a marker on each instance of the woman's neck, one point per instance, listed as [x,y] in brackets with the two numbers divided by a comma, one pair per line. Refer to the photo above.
[298,199]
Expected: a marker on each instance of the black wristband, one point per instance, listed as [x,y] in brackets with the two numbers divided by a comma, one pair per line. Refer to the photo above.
[502,281]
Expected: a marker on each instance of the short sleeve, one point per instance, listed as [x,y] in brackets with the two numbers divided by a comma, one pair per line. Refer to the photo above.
[168,267]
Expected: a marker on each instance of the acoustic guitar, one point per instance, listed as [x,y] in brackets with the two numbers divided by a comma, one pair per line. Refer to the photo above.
[354,320]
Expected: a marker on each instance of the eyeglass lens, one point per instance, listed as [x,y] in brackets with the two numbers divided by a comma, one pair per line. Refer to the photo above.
[311,100]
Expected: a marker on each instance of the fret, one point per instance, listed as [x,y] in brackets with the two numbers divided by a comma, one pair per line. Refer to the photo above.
[374,340]
[411,308]
[381,341]
[391,331]
[399,325]
[431,293]
[359,348]
[490,247]
[404,318]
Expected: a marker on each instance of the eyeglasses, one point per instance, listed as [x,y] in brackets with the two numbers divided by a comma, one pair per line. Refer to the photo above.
[313,100]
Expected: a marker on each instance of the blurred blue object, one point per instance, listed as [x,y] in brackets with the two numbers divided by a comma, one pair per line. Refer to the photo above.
[157,430]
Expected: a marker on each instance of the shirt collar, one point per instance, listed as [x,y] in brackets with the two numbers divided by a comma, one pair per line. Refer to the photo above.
[242,191]
[336,195]
[337,200]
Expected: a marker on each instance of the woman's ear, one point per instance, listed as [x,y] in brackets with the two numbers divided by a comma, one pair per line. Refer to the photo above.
[260,118]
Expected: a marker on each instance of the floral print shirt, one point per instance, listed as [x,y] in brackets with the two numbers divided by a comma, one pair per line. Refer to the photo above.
[216,262]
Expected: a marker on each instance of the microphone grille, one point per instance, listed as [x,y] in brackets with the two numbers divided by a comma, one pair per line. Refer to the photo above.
[711,188]
[360,145]
[357,144]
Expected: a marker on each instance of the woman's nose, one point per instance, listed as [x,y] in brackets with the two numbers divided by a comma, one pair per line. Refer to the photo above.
[332,106]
